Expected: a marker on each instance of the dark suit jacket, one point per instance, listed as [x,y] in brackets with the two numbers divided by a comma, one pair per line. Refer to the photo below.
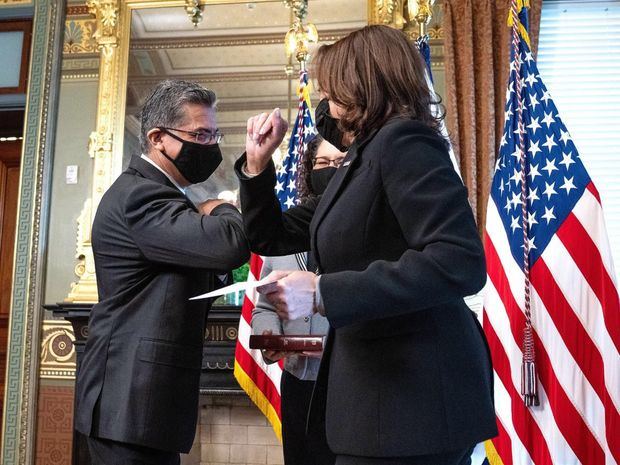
[139,378]
[406,370]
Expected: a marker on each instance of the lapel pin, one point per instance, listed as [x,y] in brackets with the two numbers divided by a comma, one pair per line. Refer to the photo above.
[346,163]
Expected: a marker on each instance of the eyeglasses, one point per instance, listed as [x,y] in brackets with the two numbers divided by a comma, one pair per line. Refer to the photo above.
[202,137]
[324,162]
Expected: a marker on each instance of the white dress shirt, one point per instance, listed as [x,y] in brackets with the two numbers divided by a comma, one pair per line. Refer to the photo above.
[174,183]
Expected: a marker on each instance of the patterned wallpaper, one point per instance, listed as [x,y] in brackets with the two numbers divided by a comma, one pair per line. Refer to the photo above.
[55,425]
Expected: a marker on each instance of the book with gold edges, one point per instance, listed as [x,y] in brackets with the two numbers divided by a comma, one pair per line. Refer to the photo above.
[288,342]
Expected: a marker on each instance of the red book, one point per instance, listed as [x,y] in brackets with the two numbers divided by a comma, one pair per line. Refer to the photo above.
[288,343]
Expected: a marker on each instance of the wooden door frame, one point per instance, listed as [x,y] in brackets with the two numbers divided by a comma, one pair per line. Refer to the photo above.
[13,159]
[10,156]
[24,26]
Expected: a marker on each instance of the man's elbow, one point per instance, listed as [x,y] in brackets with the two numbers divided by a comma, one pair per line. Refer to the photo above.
[477,274]
[241,252]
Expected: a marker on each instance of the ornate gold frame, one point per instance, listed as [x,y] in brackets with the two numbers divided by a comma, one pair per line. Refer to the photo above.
[113,19]
[106,141]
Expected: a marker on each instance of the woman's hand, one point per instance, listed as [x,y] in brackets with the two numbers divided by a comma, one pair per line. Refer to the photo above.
[273,355]
[265,133]
[293,296]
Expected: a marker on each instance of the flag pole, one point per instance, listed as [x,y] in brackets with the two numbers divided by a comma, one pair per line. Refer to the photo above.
[289,73]
[529,389]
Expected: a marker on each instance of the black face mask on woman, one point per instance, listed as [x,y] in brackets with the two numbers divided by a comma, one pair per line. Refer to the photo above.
[195,162]
[320,179]
[327,126]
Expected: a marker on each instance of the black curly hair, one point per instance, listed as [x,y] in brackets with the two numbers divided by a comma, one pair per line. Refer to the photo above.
[304,184]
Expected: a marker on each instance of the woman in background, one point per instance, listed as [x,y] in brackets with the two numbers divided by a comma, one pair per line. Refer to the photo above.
[318,166]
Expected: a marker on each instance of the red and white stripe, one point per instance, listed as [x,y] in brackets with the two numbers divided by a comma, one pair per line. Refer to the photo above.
[576,321]
[259,380]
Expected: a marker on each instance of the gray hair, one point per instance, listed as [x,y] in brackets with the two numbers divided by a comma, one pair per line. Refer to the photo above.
[165,107]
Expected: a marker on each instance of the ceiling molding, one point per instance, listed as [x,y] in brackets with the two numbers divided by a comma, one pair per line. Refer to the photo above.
[206,78]
[225,106]
[228,40]
[256,105]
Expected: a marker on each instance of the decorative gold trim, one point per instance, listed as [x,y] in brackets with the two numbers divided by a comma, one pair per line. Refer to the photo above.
[100,143]
[80,36]
[71,63]
[227,41]
[210,78]
[113,21]
[435,32]
[80,77]
[388,12]
[78,10]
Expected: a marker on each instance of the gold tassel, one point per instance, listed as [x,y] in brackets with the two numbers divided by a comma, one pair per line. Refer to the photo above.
[524,34]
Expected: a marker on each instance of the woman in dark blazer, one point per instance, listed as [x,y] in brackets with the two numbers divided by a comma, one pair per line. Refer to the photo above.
[406,376]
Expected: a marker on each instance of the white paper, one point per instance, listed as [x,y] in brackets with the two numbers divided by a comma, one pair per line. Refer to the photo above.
[246,286]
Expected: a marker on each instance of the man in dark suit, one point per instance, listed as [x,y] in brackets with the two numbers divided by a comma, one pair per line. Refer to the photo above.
[137,389]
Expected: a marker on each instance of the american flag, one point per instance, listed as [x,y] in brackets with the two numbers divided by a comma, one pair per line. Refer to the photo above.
[478,456]
[303,132]
[551,307]
[423,45]
[261,381]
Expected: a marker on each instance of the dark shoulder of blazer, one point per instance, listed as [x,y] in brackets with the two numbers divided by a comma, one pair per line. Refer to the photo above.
[441,258]
[165,225]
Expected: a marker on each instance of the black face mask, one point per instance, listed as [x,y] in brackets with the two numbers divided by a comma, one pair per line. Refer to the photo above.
[195,162]
[327,126]
[320,179]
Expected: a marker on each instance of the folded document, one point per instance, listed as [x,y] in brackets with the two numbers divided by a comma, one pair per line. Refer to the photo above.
[264,286]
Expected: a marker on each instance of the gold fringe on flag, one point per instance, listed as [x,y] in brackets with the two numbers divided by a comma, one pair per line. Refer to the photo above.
[522,31]
[491,453]
[259,399]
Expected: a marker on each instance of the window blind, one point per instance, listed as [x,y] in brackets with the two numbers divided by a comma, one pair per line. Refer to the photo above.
[579,61]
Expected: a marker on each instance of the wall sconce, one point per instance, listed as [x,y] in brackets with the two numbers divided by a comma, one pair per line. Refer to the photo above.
[194,10]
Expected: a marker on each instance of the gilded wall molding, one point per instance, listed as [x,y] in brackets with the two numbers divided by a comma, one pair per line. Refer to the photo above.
[106,35]
[388,12]
[81,63]
[216,77]
[19,417]
[77,10]
[80,36]
[86,77]
[112,34]
[227,41]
